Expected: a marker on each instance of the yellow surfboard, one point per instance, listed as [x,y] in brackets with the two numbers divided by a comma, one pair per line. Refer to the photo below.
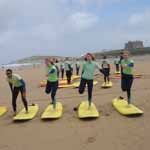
[85,112]
[117,72]
[3,110]
[51,113]
[65,86]
[77,84]
[107,85]
[22,115]
[44,82]
[62,83]
[123,108]
[74,77]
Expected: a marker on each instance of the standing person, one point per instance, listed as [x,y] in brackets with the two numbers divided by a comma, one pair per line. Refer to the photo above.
[116,62]
[77,64]
[69,70]
[17,84]
[106,69]
[121,58]
[62,69]
[56,62]
[52,80]
[127,65]
[87,77]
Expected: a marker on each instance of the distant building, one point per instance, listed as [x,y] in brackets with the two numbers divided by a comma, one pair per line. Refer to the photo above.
[134,45]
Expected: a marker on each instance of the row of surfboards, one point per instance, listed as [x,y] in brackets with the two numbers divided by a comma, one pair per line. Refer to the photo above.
[77,84]
[63,83]
[84,111]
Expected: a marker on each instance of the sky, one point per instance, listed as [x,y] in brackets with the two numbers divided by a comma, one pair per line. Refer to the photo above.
[70,27]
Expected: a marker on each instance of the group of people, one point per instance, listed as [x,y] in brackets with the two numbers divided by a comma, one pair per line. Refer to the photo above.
[89,65]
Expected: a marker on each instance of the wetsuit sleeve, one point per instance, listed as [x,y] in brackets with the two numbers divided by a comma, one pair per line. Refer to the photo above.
[57,68]
[22,82]
[131,64]
[121,58]
[83,67]
[99,68]
[52,71]
[70,67]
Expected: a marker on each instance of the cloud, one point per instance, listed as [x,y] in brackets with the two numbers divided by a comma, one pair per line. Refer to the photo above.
[82,20]
[96,3]
[139,18]
[65,27]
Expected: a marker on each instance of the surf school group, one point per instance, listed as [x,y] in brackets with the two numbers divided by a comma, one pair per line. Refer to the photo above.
[124,66]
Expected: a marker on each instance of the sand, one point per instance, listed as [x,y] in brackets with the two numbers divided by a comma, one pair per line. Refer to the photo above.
[110,131]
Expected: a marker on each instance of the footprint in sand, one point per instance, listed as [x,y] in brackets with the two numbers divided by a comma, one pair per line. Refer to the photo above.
[3,147]
[91,139]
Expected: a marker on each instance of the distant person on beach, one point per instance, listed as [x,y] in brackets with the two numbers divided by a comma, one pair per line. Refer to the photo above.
[56,65]
[116,62]
[106,69]
[52,80]
[121,58]
[62,69]
[17,84]
[77,65]
[127,65]
[87,77]
[69,70]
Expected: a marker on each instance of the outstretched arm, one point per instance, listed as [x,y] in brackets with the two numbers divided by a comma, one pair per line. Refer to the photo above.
[99,68]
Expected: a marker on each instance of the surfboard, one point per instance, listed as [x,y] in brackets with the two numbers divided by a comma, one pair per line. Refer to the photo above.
[117,72]
[51,113]
[65,85]
[85,112]
[121,105]
[135,76]
[3,110]
[22,115]
[62,83]
[107,85]
[74,77]
[77,84]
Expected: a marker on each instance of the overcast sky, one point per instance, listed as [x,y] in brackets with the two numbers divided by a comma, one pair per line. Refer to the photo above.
[70,27]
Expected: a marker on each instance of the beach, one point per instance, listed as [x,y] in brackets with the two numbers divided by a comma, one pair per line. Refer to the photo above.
[110,131]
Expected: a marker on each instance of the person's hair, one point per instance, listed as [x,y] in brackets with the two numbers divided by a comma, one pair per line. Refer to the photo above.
[9,70]
[126,51]
[90,54]
[104,57]
[56,60]
[121,53]
[50,60]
